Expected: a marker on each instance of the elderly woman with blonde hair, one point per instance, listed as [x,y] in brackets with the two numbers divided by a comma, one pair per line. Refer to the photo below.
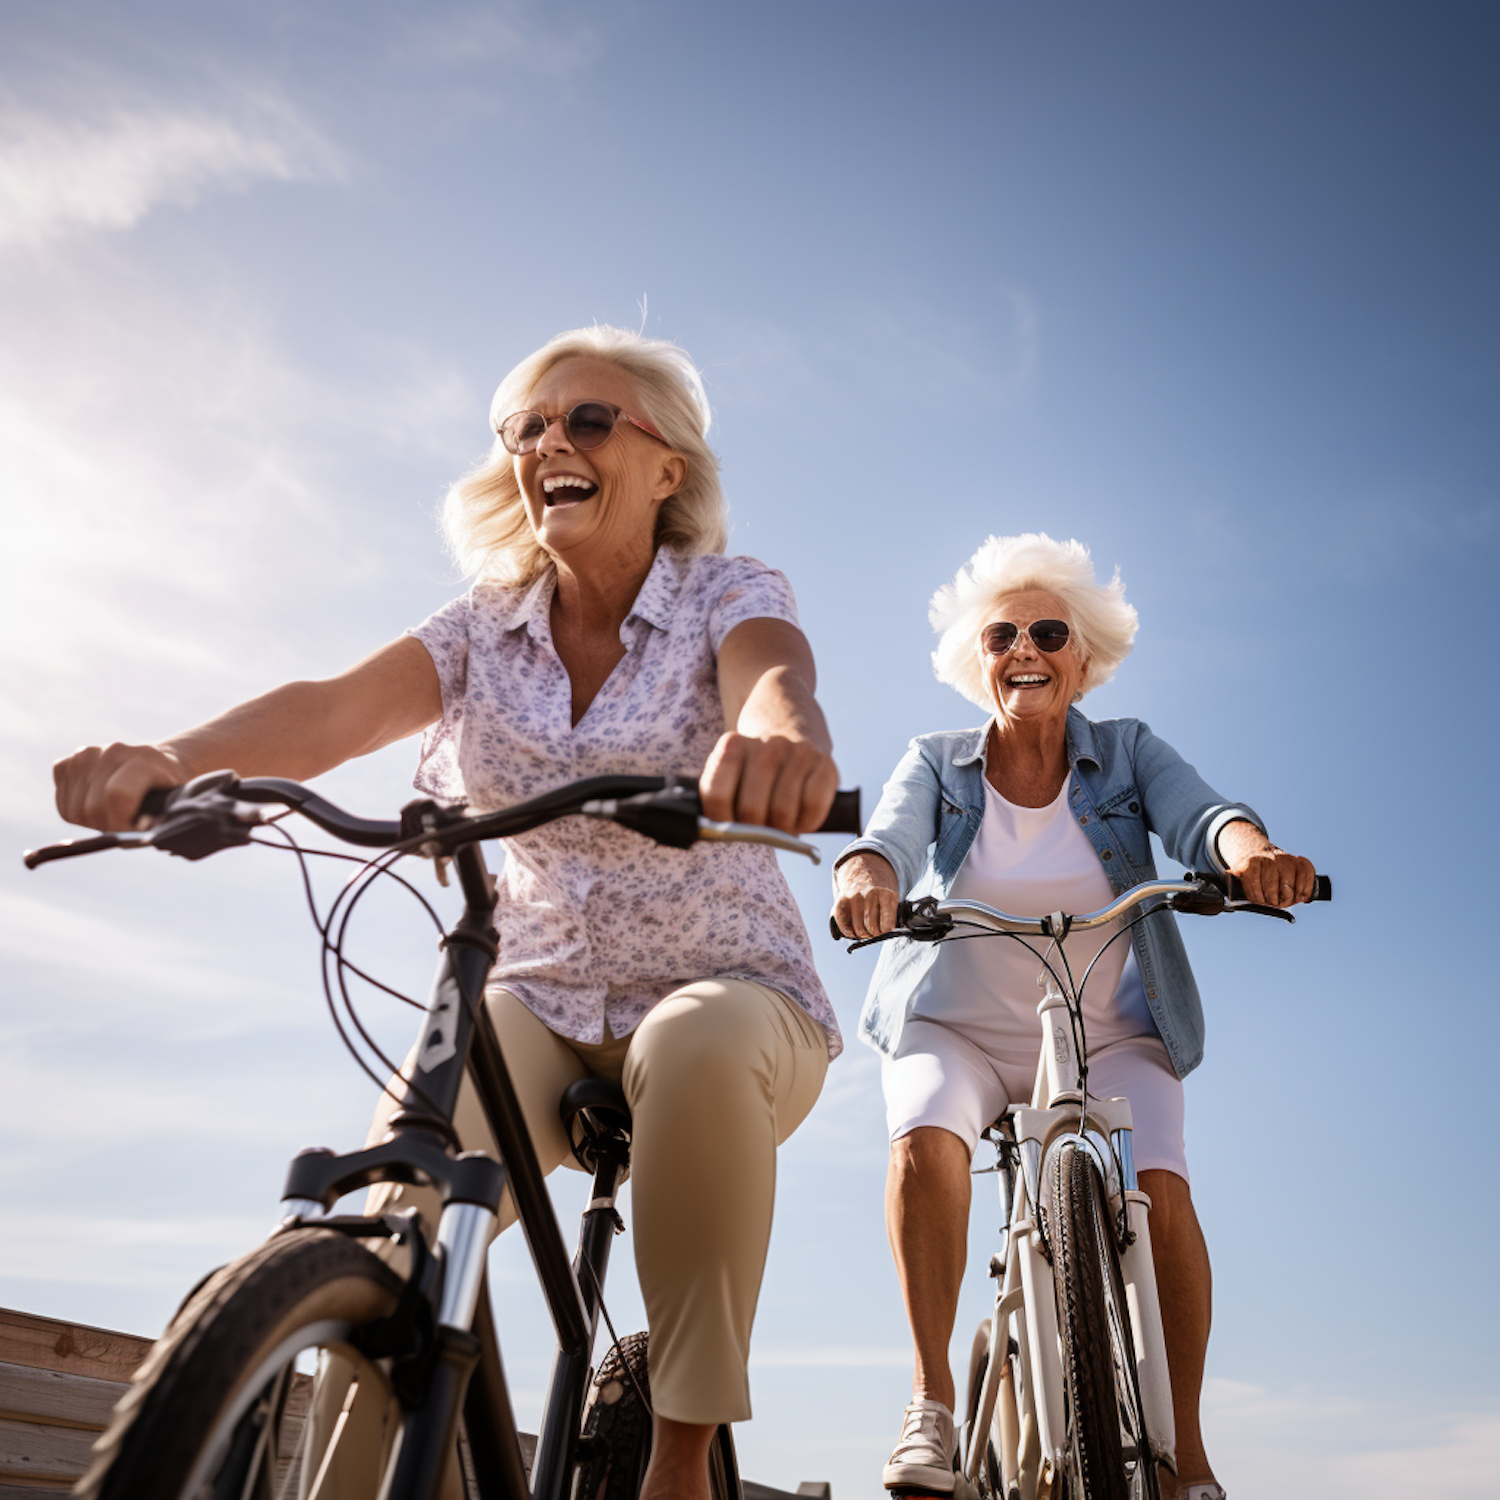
[605,633]
[1039,809]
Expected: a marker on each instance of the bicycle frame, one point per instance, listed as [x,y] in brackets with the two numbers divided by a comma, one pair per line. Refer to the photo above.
[421,1148]
[1028,1427]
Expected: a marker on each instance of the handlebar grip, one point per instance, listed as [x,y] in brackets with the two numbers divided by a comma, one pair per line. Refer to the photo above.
[843,816]
[1322,890]
[156,802]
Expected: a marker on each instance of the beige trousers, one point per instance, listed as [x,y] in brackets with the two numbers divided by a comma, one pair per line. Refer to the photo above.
[718,1074]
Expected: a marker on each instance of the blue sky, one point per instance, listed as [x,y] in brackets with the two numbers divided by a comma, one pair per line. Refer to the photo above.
[1210,287]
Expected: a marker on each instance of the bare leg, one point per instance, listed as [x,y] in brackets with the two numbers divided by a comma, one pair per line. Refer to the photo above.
[1184,1284]
[927,1219]
[679,1460]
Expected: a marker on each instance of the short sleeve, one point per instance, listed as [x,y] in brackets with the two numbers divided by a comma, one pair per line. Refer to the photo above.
[446,637]
[751,591]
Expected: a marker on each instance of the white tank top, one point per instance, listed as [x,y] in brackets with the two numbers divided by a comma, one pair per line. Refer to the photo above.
[1030,861]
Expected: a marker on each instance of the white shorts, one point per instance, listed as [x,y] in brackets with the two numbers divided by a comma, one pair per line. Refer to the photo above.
[942,1078]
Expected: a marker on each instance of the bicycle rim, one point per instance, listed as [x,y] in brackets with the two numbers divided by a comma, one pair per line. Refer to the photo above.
[257,1384]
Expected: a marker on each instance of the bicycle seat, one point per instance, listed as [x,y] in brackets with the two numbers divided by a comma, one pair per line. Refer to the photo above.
[594,1111]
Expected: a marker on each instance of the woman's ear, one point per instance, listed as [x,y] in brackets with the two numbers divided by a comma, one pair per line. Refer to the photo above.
[671,477]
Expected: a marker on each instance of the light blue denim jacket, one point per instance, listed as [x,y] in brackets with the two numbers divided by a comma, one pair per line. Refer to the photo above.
[1127,783]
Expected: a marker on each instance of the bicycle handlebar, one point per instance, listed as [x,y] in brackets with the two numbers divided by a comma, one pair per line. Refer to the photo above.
[929,920]
[210,813]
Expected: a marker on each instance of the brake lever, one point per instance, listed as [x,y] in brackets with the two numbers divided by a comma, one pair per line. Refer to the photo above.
[1259,910]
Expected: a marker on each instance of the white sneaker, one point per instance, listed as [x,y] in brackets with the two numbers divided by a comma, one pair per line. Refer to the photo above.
[923,1459]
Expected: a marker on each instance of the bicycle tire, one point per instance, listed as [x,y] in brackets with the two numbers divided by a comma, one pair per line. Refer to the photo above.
[617,1431]
[214,1408]
[1108,1454]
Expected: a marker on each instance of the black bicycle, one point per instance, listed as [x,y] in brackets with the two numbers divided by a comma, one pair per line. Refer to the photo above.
[312,1340]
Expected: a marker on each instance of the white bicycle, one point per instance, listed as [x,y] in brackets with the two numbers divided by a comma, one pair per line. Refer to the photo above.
[1068,1392]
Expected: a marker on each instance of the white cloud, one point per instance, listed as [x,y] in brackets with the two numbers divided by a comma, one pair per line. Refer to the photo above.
[116,1250]
[63,175]
[1305,1443]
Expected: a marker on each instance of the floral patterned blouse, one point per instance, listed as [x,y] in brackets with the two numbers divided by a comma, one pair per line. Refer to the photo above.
[596,922]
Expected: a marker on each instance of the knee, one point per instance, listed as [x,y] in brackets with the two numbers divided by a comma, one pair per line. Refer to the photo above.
[698,1055]
[928,1153]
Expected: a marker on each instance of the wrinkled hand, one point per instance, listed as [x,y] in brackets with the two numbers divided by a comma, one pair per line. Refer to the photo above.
[101,786]
[868,896]
[777,782]
[1270,876]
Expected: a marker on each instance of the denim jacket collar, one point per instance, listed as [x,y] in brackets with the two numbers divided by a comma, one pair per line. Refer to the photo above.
[1081,745]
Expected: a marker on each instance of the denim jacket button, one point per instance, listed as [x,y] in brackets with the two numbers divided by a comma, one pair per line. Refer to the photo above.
[1106,855]
[1082,819]
[1135,807]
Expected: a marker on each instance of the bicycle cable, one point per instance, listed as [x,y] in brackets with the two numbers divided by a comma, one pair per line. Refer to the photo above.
[347,898]
[609,1323]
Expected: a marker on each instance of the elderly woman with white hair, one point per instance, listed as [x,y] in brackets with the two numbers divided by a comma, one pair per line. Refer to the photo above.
[1040,809]
[605,633]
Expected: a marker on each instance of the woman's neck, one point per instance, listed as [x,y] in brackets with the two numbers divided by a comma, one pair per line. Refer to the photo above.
[1026,760]
[594,601]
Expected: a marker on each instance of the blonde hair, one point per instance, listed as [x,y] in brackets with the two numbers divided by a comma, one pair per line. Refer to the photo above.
[1103,624]
[484,515]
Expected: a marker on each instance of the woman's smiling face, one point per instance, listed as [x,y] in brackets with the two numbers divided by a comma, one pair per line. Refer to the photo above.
[600,501]
[1024,683]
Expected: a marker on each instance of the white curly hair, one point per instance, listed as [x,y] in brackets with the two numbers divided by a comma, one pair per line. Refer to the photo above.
[484,516]
[1103,624]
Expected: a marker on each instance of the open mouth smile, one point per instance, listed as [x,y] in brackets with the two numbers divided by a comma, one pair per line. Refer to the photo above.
[567,489]
[1027,680]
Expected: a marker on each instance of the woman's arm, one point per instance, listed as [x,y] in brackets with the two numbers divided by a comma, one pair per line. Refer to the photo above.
[873,872]
[1201,829]
[299,730]
[774,763]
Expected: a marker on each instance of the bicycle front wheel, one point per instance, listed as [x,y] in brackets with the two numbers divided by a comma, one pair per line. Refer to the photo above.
[1108,1456]
[225,1404]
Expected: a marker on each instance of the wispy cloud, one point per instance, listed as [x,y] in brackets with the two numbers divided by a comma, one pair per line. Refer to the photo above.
[1321,1444]
[65,174]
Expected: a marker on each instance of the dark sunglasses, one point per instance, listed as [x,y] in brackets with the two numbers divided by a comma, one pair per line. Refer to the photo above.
[588,425]
[1046,635]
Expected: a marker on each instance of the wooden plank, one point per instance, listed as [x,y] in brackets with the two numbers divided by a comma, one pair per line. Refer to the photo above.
[42,1489]
[73,1348]
[56,1397]
[37,1450]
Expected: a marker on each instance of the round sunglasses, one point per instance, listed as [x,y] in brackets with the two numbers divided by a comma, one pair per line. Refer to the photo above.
[1046,635]
[588,425]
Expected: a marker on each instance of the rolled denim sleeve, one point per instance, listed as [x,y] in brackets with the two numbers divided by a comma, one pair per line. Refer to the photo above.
[904,824]
[1184,811]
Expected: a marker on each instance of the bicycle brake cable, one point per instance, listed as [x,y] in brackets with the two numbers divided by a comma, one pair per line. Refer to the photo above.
[609,1323]
[369,870]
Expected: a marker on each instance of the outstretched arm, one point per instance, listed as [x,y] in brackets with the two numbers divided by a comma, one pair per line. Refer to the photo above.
[299,730]
[774,762]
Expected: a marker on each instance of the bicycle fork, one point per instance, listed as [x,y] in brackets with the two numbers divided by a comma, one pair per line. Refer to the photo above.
[1026,1417]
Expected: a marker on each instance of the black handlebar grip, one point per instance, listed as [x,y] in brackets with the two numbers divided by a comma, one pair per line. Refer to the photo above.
[156,801]
[843,816]
[1322,890]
